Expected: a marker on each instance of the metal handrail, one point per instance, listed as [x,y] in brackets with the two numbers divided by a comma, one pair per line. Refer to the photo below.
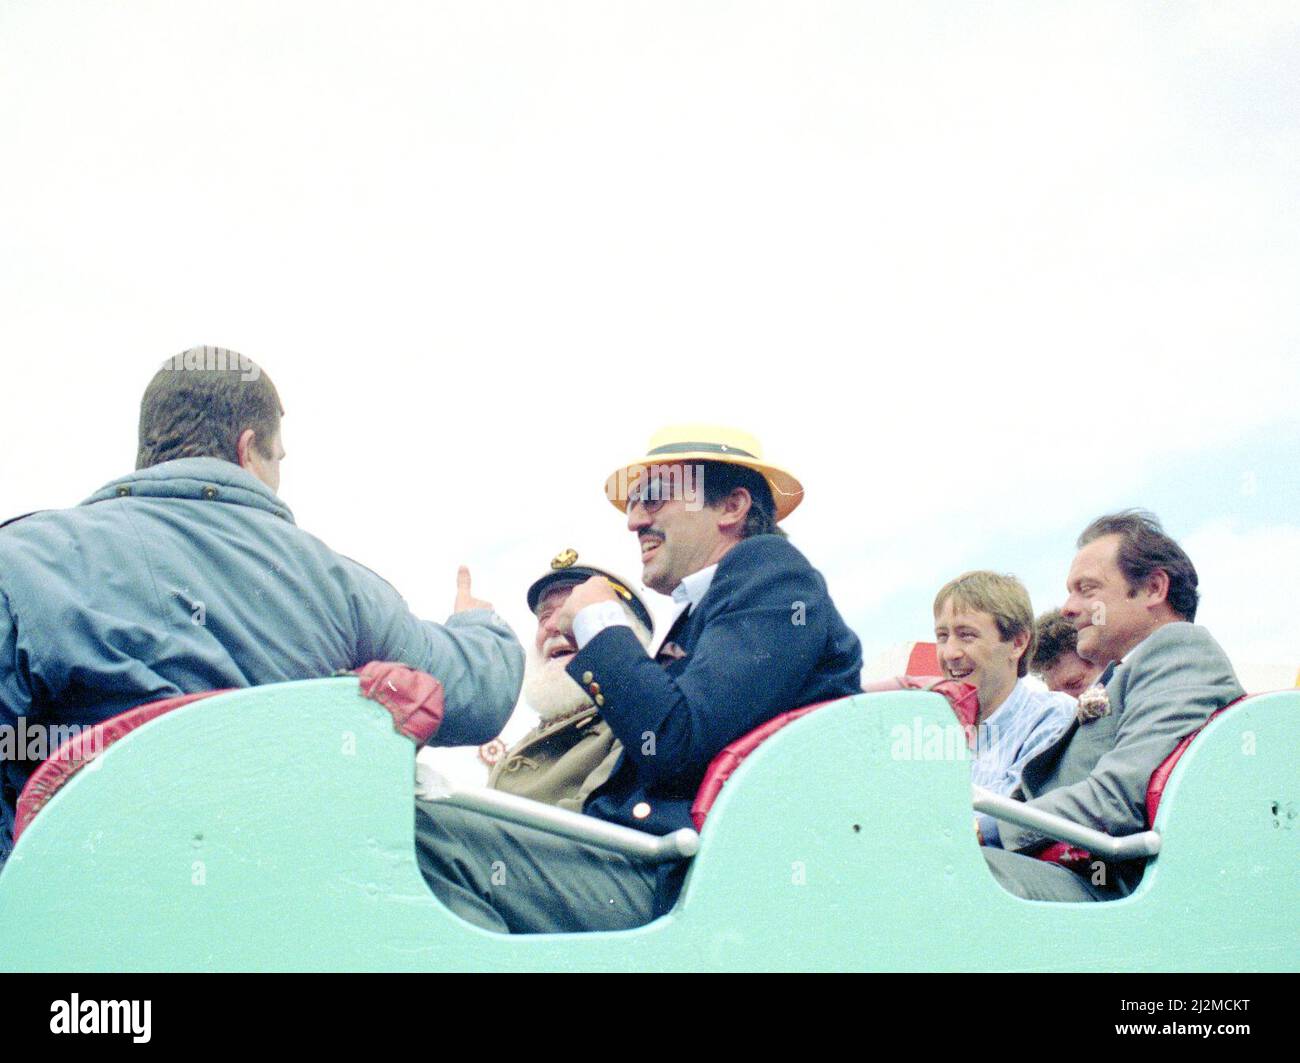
[647,848]
[636,845]
[1126,847]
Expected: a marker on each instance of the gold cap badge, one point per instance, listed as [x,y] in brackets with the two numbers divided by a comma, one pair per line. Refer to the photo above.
[564,559]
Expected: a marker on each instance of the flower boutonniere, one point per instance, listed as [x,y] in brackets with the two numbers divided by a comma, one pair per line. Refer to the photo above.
[1093,704]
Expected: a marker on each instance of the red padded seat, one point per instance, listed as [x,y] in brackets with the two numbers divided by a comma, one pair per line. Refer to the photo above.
[963,698]
[414,699]
[1073,856]
[723,766]
[924,659]
[1159,777]
[82,748]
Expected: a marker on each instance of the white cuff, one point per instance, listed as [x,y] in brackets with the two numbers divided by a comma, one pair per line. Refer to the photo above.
[592,619]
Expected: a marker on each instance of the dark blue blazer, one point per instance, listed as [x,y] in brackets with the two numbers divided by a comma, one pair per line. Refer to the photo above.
[765,638]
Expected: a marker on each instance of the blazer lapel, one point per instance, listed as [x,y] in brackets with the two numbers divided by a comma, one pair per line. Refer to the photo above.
[668,650]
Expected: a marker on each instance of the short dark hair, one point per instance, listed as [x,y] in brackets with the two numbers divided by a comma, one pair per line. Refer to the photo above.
[1056,638]
[1145,548]
[720,478]
[199,403]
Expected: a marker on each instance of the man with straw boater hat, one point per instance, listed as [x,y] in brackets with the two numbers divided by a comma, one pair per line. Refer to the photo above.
[756,634]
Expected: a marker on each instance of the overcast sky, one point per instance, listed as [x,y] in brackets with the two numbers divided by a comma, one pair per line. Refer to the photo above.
[974,272]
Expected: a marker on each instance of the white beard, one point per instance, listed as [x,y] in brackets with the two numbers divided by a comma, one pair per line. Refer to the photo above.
[550,691]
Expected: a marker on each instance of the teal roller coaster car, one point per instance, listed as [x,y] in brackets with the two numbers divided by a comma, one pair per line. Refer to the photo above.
[271,829]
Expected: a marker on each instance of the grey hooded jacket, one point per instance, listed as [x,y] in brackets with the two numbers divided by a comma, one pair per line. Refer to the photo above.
[190,576]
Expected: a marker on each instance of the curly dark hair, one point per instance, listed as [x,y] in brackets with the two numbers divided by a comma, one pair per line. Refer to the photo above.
[1056,637]
[1143,549]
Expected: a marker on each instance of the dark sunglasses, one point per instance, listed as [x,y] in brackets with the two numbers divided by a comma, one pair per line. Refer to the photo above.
[651,494]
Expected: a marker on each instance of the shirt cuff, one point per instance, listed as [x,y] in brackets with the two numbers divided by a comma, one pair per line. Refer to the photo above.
[989,830]
[592,619]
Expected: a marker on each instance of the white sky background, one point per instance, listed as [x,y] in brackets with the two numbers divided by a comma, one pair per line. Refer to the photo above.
[970,270]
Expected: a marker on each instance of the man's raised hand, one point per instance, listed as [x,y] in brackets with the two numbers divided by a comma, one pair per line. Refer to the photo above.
[595,589]
[464,599]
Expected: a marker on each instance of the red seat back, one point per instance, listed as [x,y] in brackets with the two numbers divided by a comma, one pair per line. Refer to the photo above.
[924,659]
[1073,856]
[81,749]
[963,697]
[414,699]
[1159,777]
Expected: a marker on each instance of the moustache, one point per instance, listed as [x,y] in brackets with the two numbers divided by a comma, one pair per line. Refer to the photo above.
[557,642]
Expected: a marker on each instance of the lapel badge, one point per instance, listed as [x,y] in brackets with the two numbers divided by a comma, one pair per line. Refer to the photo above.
[492,753]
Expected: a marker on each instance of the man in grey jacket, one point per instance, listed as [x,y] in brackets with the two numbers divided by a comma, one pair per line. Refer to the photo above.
[190,575]
[1133,597]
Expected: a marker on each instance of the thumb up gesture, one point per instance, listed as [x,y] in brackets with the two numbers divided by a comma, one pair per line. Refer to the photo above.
[464,599]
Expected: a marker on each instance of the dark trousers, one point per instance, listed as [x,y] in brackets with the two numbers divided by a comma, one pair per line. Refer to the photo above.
[515,879]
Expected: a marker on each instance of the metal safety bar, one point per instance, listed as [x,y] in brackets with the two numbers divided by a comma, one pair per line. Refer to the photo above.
[1128,847]
[636,845]
[682,844]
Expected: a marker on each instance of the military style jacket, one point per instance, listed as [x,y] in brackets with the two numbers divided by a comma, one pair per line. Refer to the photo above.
[560,762]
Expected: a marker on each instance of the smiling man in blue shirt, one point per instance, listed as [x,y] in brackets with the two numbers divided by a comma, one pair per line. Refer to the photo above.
[984,634]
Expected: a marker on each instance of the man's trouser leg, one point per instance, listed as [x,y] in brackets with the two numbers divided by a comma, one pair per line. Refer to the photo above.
[510,878]
[1039,880]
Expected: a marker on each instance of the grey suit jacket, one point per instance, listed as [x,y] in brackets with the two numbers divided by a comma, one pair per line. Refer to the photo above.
[1097,772]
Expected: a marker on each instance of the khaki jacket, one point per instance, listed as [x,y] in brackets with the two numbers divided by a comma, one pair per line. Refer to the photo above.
[560,763]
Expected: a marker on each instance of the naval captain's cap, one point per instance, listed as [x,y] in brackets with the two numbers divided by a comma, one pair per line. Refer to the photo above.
[566,572]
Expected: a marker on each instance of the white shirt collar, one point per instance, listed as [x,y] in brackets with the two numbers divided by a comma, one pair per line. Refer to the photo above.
[694,587]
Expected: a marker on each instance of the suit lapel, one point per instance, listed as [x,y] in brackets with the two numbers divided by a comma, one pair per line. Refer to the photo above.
[667,650]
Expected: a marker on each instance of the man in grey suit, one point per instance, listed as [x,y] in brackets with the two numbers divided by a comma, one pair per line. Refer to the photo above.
[1133,601]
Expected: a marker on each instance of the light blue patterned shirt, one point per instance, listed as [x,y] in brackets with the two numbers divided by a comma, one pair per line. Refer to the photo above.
[1020,728]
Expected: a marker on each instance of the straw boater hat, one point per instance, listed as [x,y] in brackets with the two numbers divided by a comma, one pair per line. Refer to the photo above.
[707,442]
[566,572]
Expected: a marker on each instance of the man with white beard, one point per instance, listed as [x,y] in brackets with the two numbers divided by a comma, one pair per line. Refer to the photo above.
[572,750]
